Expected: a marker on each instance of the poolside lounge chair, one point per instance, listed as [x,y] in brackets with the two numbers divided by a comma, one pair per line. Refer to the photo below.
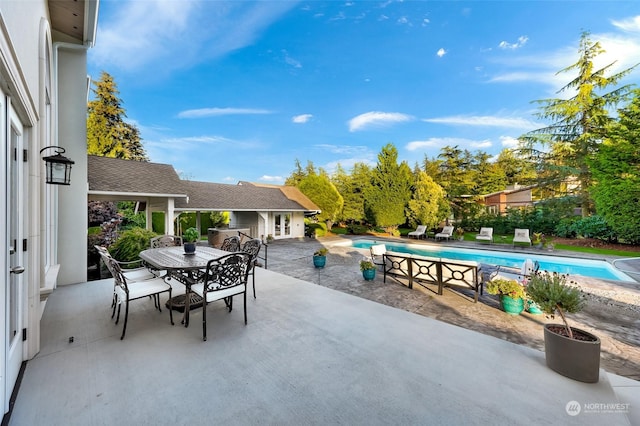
[447,232]
[486,234]
[521,236]
[421,231]
[377,254]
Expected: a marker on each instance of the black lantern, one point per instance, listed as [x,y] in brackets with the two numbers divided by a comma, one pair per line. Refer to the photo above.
[58,166]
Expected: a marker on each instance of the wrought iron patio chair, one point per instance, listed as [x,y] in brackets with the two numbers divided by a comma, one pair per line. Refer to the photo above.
[252,247]
[225,277]
[231,244]
[166,241]
[127,292]
[133,274]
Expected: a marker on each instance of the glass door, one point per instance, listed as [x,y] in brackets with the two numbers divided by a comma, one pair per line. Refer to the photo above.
[282,225]
[14,291]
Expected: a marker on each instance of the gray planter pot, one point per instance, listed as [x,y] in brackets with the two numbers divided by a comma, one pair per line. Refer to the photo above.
[576,359]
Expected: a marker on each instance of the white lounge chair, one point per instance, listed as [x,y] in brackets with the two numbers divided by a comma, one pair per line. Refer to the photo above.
[521,236]
[486,234]
[377,254]
[421,231]
[446,233]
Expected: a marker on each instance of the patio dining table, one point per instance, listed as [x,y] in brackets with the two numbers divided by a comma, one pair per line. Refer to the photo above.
[187,269]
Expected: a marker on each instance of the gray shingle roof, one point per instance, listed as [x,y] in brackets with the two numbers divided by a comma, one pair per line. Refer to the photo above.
[245,196]
[117,176]
[106,174]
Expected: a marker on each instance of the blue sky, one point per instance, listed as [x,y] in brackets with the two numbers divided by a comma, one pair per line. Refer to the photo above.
[238,90]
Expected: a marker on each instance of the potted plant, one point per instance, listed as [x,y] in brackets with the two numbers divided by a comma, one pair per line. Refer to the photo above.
[189,237]
[572,352]
[320,257]
[459,234]
[368,269]
[537,240]
[511,292]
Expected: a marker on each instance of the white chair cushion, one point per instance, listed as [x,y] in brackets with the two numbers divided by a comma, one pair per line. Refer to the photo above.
[217,295]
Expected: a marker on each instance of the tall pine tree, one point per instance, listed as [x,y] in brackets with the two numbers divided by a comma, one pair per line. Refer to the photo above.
[108,135]
[578,123]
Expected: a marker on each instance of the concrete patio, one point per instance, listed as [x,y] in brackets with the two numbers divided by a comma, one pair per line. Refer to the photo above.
[309,355]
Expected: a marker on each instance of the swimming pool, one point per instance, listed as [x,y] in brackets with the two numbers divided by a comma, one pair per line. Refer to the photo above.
[563,265]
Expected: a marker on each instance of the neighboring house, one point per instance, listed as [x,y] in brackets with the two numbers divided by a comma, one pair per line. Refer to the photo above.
[263,210]
[514,196]
[43,102]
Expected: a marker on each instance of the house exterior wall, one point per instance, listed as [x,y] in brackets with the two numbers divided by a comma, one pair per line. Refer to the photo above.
[28,83]
[72,220]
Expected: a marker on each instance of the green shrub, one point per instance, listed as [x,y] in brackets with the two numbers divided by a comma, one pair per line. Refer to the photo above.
[594,227]
[131,242]
[552,293]
[318,229]
[357,229]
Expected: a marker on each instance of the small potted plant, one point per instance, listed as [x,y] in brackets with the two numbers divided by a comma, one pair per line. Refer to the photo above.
[537,239]
[511,292]
[572,352]
[368,269]
[459,234]
[190,237]
[320,257]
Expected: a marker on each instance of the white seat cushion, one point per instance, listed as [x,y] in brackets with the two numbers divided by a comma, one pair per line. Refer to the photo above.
[220,294]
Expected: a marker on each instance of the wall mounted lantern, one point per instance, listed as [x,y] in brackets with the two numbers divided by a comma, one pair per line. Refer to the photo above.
[58,166]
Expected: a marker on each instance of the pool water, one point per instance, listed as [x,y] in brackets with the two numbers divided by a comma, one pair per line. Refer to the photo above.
[563,265]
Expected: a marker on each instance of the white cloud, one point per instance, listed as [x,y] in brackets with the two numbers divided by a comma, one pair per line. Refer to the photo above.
[509,141]
[442,142]
[622,48]
[302,118]
[485,121]
[630,24]
[160,33]
[291,61]
[441,52]
[273,179]
[211,112]
[522,40]
[481,144]
[343,149]
[377,119]
[415,145]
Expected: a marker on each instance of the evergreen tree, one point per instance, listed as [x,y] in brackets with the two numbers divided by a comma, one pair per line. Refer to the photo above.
[107,133]
[517,169]
[616,172]
[428,205]
[390,191]
[351,187]
[578,123]
[324,194]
